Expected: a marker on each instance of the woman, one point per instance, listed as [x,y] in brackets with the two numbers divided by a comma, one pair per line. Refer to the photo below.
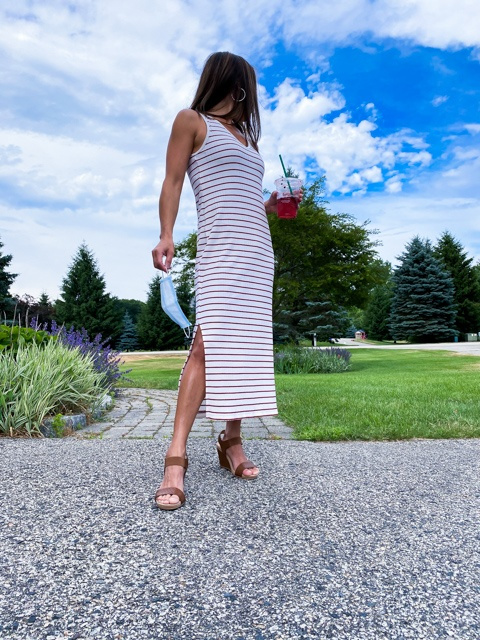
[228,374]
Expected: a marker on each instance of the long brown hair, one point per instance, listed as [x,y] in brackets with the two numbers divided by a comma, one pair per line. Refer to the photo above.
[227,74]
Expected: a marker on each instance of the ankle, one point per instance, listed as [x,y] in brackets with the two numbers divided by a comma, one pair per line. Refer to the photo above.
[177,450]
[231,433]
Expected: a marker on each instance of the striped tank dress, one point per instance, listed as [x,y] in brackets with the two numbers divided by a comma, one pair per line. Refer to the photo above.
[233,278]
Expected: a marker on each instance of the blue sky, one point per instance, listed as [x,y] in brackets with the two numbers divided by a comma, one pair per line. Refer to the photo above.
[379,96]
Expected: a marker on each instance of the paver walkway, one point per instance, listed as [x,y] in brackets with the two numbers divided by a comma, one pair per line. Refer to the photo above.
[149,413]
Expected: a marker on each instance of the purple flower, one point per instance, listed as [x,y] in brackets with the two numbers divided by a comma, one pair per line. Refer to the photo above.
[105,359]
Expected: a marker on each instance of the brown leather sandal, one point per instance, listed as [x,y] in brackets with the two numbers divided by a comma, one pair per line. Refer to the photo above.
[222,447]
[172,460]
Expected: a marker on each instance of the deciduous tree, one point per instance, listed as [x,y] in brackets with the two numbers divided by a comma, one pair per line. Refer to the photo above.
[377,313]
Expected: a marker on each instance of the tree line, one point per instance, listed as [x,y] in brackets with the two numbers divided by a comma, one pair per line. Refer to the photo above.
[328,280]
[432,296]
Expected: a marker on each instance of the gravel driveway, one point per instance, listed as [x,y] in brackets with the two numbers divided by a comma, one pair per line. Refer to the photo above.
[349,540]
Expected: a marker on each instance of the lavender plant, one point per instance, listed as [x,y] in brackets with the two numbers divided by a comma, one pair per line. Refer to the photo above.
[105,359]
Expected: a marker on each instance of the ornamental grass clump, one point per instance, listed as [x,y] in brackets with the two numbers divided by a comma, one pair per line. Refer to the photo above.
[105,359]
[296,359]
[38,381]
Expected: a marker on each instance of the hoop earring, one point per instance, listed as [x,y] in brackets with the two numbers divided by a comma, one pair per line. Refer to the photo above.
[242,98]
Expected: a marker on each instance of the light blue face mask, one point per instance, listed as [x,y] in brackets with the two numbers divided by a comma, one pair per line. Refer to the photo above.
[168,297]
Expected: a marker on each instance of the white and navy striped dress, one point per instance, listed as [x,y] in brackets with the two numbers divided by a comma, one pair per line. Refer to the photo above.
[233,277]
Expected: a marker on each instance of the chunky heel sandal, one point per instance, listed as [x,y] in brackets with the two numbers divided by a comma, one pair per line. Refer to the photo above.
[222,446]
[169,461]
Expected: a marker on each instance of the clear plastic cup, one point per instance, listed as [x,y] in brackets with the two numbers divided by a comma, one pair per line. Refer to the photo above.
[288,196]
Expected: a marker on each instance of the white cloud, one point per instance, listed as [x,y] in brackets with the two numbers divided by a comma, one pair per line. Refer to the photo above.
[393,185]
[438,100]
[349,153]
[473,128]
[432,23]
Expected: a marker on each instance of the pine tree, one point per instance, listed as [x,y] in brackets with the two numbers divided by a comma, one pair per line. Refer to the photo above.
[134,307]
[453,258]
[323,318]
[155,329]
[86,303]
[128,340]
[423,308]
[45,309]
[377,313]
[6,279]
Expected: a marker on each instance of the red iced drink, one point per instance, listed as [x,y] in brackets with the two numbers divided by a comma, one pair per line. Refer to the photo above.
[287,207]
[288,194]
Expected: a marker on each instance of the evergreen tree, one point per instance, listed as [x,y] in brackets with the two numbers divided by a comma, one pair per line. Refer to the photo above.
[423,308]
[155,329]
[476,271]
[322,317]
[453,258]
[134,308]
[6,279]
[86,303]
[45,309]
[377,314]
[128,340]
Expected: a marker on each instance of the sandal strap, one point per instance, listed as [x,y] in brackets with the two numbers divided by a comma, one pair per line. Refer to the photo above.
[170,491]
[244,465]
[176,460]
[226,444]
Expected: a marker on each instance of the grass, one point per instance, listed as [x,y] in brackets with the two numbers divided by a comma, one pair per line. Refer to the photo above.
[387,395]
[157,372]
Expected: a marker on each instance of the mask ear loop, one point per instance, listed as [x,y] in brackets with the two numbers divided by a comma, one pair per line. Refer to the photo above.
[187,330]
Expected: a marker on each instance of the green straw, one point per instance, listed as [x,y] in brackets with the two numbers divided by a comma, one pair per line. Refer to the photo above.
[285,173]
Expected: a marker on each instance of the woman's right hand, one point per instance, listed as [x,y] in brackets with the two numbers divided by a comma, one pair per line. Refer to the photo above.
[164,248]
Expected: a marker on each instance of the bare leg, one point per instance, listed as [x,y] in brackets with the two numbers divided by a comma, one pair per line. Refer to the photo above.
[190,396]
[235,453]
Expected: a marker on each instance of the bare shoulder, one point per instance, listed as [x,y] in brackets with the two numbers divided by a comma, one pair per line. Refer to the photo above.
[188,119]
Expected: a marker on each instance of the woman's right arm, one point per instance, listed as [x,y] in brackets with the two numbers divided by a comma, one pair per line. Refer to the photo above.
[185,131]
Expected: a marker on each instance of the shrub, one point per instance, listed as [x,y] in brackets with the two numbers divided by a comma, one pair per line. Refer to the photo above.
[11,337]
[294,359]
[105,360]
[42,380]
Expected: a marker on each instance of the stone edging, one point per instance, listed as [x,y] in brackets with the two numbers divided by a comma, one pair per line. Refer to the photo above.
[76,421]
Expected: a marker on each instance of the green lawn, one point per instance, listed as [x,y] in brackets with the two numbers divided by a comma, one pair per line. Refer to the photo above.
[387,394]
[154,373]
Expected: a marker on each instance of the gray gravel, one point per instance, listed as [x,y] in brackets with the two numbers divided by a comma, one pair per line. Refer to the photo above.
[348,540]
